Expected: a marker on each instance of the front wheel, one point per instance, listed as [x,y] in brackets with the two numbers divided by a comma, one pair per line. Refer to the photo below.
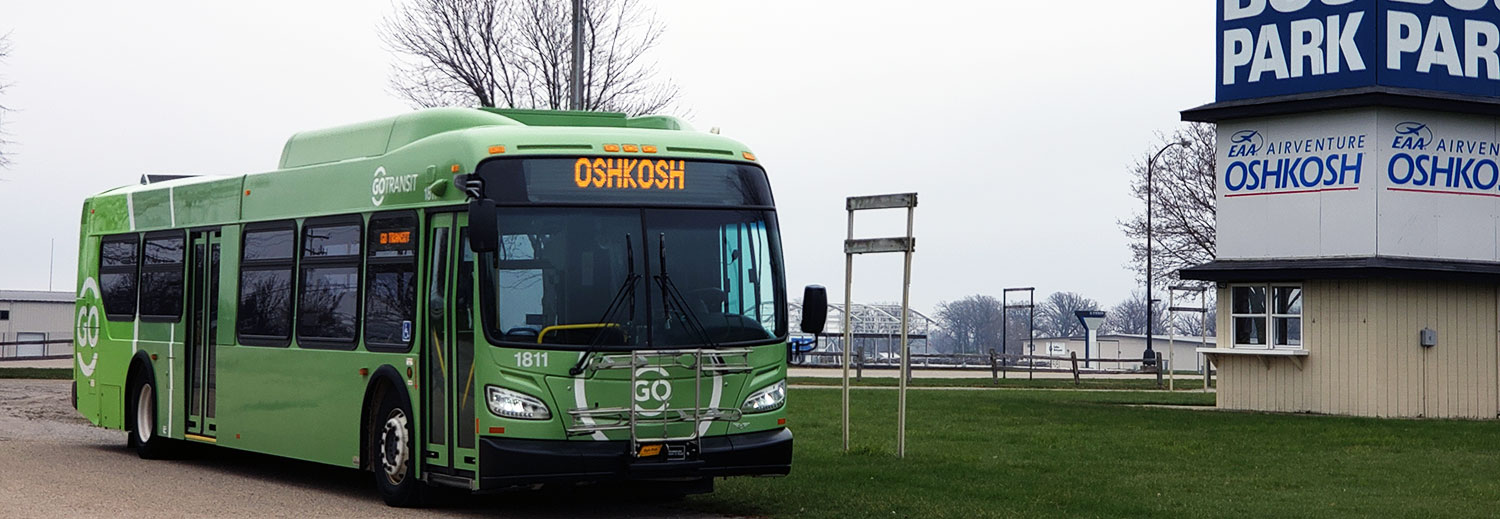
[143,436]
[391,448]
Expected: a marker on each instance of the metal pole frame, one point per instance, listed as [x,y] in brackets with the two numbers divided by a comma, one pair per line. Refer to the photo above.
[1006,307]
[1202,311]
[906,245]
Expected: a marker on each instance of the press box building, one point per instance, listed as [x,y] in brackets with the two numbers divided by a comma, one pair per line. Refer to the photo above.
[1358,195]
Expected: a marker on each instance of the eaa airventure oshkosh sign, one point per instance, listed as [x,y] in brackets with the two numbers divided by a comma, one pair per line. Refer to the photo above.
[1356,183]
[1278,47]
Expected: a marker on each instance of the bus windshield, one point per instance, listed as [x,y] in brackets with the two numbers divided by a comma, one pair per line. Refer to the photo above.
[635,278]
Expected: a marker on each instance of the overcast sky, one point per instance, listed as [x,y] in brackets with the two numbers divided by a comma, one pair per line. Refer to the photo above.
[1016,122]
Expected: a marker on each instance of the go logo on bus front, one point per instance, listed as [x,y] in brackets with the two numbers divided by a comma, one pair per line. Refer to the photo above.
[86,327]
[652,395]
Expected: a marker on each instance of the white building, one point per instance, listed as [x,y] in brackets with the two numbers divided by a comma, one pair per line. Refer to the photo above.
[1178,353]
[29,319]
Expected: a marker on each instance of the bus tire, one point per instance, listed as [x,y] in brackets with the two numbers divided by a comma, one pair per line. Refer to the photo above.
[143,413]
[392,453]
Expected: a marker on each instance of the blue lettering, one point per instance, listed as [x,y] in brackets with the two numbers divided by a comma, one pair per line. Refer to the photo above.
[1462,173]
[1409,143]
[1242,150]
[1229,176]
[1307,165]
[1401,157]
[1447,171]
[1345,168]
[1494,174]
[1277,172]
[1291,171]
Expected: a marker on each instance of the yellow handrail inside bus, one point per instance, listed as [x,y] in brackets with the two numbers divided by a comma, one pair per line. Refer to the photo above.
[559,327]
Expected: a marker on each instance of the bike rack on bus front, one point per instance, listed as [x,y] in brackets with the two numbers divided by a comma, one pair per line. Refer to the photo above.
[632,417]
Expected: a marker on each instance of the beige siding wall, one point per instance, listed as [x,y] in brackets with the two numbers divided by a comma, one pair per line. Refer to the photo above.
[1363,354]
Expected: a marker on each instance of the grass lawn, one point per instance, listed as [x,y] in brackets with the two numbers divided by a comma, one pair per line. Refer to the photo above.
[47,373]
[1083,454]
[1013,381]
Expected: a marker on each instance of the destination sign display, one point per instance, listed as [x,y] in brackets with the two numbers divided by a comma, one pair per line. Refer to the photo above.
[624,181]
[628,173]
[395,238]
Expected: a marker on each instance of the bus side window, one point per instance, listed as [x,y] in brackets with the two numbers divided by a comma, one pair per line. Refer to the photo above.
[162,260]
[391,282]
[266,265]
[118,262]
[328,299]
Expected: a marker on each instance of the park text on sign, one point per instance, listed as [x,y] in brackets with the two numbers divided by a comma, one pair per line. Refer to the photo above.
[624,173]
[1279,47]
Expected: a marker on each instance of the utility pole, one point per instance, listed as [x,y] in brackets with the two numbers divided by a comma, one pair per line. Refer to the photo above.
[575,96]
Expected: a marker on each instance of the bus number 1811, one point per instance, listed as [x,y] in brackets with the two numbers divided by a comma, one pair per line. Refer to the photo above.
[527,359]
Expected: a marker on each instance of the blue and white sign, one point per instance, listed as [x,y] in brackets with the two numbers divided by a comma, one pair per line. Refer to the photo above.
[1297,186]
[1359,183]
[1279,47]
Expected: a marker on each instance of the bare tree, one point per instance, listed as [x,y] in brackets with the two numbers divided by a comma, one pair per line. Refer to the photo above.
[971,324]
[1183,210]
[4,51]
[1130,316]
[1055,316]
[516,54]
[1018,328]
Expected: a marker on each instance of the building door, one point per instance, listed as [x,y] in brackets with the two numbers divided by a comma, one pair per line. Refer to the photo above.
[448,349]
[31,344]
[202,332]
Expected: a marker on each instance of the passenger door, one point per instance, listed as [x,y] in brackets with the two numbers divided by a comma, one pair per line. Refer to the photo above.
[202,332]
[449,393]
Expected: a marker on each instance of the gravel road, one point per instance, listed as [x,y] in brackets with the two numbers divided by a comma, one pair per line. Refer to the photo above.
[53,463]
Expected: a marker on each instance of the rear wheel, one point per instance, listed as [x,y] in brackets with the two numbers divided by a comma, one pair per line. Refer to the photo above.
[391,449]
[143,435]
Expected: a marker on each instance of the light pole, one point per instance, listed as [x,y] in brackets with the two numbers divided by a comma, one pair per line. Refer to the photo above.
[1150,355]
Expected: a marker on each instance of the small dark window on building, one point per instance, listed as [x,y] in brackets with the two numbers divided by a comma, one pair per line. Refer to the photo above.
[4,315]
[328,302]
[391,282]
[161,276]
[118,264]
[266,265]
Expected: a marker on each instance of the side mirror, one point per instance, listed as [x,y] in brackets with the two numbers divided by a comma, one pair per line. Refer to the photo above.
[814,309]
[484,235]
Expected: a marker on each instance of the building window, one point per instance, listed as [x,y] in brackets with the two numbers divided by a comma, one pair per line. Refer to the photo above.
[266,263]
[1266,316]
[4,315]
[117,275]
[1286,316]
[161,276]
[328,303]
[391,281]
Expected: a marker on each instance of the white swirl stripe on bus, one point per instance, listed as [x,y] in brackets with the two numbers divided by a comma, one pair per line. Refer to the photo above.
[87,327]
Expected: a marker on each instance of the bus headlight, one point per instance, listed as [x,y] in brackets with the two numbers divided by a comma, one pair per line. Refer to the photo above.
[769,398]
[511,404]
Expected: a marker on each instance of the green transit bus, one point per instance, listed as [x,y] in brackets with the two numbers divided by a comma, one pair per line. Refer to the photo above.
[474,298]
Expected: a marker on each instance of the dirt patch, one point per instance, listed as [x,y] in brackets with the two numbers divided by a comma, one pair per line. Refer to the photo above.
[35,410]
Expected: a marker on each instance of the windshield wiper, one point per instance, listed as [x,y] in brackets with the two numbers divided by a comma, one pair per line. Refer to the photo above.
[672,297]
[625,295]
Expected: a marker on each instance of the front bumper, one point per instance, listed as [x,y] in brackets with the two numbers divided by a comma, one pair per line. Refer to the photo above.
[507,462]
